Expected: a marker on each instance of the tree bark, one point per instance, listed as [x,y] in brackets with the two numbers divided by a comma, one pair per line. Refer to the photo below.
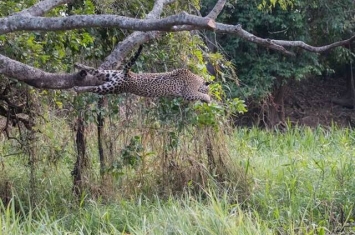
[81,160]
[100,124]
[41,79]
[21,22]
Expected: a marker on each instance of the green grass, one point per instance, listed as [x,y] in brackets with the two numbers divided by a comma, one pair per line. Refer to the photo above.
[139,216]
[304,179]
[303,182]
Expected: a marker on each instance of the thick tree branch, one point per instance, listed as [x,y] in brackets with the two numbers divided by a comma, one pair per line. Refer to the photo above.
[40,79]
[180,22]
[19,22]
[123,48]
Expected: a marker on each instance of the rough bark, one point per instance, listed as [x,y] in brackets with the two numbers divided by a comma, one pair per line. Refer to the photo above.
[21,22]
[100,124]
[81,160]
[41,79]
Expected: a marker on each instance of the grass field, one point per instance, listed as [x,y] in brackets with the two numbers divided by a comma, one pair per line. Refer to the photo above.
[302,181]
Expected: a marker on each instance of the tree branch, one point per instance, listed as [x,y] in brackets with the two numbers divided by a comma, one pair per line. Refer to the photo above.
[307,47]
[216,10]
[114,60]
[238,30]
[28,20]
[158,8]
[123,48]
[278,45]
[19,22]
[40,79]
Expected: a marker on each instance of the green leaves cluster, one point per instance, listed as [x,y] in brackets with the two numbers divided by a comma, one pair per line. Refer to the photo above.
[270,4]
[214,114]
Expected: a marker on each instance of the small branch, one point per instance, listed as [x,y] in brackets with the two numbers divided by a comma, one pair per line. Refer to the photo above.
[307,47]
[11,154]
[123,48]
[42,7]
[238,30]
[216,9]
[212,15]
[136,38]
[157,9]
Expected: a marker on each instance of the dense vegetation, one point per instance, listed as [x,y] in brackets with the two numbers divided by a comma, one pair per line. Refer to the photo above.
[262,73]
[85,164]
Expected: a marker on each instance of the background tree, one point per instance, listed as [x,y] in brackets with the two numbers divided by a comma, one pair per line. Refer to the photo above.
[263,73]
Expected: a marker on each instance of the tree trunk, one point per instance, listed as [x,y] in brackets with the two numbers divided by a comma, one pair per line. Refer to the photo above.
[348,97]
[30,140]
[352,82]
[273,108]
[105,147]
[100,125]
[81,160]
[209,150]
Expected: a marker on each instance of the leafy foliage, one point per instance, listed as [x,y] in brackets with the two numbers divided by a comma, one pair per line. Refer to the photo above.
[317,22]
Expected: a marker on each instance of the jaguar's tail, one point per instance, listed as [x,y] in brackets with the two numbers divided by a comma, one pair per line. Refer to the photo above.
[131,62]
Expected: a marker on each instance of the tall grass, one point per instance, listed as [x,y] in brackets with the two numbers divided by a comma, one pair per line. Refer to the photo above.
[139,216]
[302,182]
[304,179]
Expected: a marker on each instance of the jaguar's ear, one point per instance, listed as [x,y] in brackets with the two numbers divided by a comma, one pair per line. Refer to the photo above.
[83,73]
[208,83]
[80,76]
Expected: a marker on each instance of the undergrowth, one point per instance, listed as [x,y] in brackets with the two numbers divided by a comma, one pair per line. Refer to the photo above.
[301,182]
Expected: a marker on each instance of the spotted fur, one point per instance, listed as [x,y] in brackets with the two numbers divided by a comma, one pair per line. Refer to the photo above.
[178,83]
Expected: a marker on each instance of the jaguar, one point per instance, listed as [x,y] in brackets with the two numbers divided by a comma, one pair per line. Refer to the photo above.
[177,83]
